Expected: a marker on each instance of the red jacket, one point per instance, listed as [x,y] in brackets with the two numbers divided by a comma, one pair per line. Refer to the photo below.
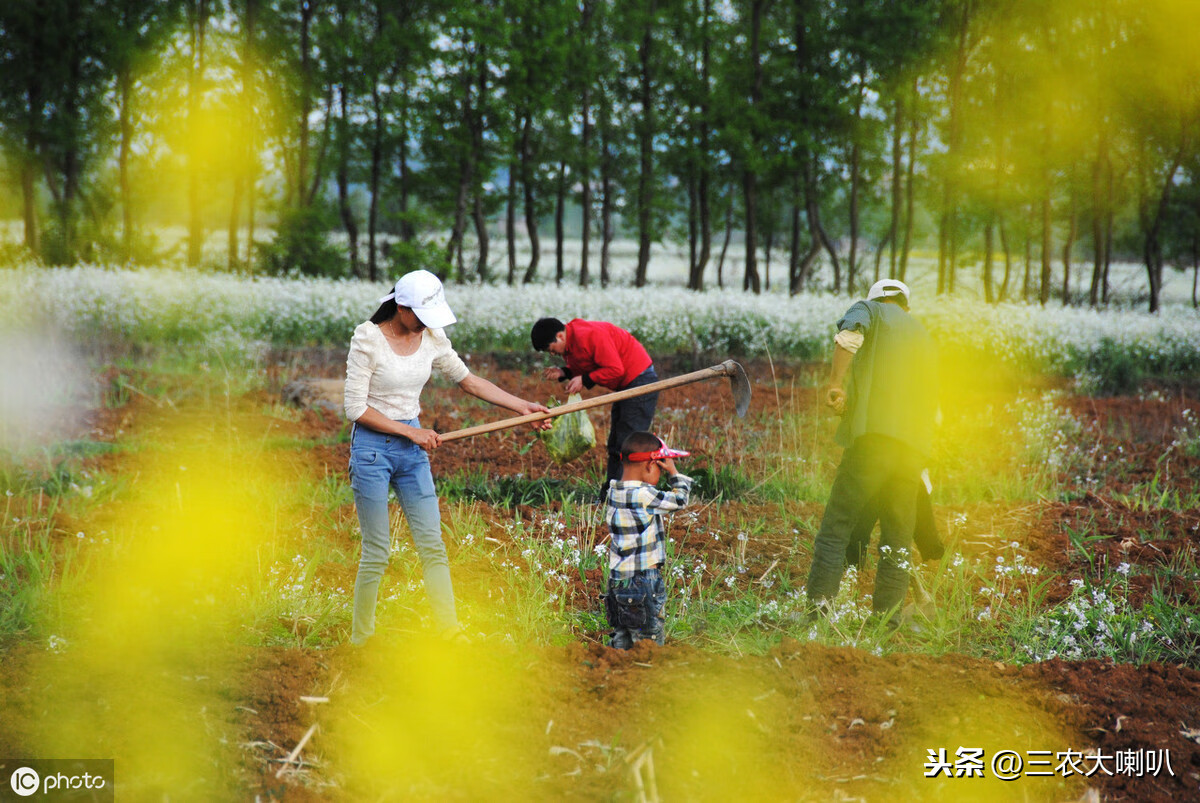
[604,354]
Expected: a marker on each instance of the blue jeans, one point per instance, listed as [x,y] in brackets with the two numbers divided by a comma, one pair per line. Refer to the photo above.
[378,461]
[635,608]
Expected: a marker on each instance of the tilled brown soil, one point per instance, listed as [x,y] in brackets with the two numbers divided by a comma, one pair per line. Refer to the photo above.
[801,722]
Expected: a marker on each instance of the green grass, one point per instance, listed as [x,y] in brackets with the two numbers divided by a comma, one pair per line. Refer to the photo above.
[1158,494]
[41,570]
[39,562]
[510,491]
[1099,622]
[57,469]
[522,548]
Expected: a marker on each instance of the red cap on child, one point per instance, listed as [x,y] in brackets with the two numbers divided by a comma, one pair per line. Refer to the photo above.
[661,453]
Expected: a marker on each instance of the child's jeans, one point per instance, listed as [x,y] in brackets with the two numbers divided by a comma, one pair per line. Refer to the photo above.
[635,608]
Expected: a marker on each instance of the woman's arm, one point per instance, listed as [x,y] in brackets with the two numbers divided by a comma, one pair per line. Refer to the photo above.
[481,388]
[427,439]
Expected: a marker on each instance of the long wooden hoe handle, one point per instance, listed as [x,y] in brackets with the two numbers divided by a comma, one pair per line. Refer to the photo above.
[727,368]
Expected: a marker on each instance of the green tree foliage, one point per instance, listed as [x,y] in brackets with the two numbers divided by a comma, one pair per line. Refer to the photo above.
[53,66]
[817,140]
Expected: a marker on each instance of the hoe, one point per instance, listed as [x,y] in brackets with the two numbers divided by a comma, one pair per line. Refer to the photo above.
[738,383]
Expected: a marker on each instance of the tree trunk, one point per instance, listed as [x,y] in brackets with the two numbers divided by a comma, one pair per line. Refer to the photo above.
[124,84]
[510,219]
[478,123]
[374,181]
[585,158]
[725,244]
[243,182]
[805,262]
[235,214]
[1025,286]
[909,194]
[897,183]
[343,181]
[704,180]
[704,210]
[408,231]
[988,256]
[606,191]
[852,257]
[1195,268]
[749,168]
[318,167]
[646,132]
[29,159]
[307,7]
[1099,168]
[750,279]
[560,204]
[1153,248]
[251,207]
[466,174]
[943,231]
[481,239]
[531,226]
[1044,285]
[197,22]
[454,246]
[855,180]
[29,206]
[1007,261]
[1066,254]
[693,221]
[948,238]
[812,210]
[769,237]
[794,241]
[1109,226]
[883,245]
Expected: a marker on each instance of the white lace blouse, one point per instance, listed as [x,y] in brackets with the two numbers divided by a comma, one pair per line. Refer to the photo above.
[378,377]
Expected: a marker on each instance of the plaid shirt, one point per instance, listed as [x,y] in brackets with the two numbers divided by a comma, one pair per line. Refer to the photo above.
[635,524]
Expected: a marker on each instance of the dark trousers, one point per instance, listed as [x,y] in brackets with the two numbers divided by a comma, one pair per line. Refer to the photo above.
[925,534]
[887,471]
[629,416]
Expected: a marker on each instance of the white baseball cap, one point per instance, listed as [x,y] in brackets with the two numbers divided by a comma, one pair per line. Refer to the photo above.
[885,288]
[422,292]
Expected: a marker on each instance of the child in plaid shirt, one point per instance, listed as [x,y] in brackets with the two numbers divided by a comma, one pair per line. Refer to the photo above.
[636,547]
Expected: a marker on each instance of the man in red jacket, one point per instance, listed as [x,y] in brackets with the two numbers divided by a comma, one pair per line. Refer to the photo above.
[599,353]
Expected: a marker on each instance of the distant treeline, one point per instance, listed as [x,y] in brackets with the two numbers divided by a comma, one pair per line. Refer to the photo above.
[1015,136]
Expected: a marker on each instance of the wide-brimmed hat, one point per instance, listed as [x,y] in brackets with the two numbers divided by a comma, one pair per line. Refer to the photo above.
[422,292]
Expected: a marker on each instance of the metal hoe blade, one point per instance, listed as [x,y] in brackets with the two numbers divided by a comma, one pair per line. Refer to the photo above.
[739,385]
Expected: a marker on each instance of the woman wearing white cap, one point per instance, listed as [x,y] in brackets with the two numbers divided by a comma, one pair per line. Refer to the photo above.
[391,358]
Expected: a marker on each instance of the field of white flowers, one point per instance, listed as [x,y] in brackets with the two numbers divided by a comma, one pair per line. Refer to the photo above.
[180,307]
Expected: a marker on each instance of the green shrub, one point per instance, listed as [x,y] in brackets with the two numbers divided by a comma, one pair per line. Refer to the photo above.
[302,247]
[1113,369]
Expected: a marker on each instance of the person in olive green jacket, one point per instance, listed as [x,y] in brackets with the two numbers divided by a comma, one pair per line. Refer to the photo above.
[883,383]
